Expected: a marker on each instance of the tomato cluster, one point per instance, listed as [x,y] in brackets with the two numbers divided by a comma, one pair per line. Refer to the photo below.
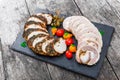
[68,40]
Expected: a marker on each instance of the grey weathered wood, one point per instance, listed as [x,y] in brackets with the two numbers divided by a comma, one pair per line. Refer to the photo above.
[56,72]
[107,12]
[2,77]
[17,66]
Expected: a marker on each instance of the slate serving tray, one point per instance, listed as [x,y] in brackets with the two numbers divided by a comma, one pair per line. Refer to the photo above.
[62,61]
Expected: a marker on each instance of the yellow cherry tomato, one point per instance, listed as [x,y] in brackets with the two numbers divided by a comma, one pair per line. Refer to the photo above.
[53,30]
[67,35]
[72,48]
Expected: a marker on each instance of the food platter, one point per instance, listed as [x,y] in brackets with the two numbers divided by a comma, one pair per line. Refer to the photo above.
[62,61]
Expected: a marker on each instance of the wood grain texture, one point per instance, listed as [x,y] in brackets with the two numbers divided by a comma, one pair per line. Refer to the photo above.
[2,77]
[17,67]
[106,12]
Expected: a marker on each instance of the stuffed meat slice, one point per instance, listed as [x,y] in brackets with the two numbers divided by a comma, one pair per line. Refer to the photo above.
[60,46]
[87,55]
[34,25]
[45,44]
[48,17]
[35,32]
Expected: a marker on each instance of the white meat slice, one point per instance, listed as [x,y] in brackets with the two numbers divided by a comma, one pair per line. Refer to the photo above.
[34,26]
[90,55]
[66,23]
[90,35]
[84,58]
[90,41]
[60,46]
[37,40]
[35,19]
[36,33]
[44,45]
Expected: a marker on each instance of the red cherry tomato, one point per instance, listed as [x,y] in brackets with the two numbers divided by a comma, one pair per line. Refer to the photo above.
[69,41]
[68,54]
[60,32]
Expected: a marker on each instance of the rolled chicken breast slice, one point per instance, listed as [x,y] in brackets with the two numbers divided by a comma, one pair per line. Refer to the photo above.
[88,35]
[87,55]
[92,42]
[66,23]
[60,46]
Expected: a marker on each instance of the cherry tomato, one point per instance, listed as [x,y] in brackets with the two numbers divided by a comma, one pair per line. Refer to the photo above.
[69,41]
[60,32]
[68,54]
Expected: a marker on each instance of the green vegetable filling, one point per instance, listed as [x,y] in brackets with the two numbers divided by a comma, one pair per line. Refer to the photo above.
[23,44]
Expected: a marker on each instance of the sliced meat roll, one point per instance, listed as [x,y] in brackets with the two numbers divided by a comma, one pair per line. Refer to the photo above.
[47,16]
[45,44]
[87,55]
[38,38]
[34,25]
[32,40]
[60,46]
[36,18]
[88,37]
[91,42]
[91,35]
[32,32]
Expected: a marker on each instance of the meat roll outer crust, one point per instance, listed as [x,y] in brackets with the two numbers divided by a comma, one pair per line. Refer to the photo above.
[30,41]
[26,33]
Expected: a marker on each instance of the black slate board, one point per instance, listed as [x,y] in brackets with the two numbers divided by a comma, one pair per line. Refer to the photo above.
[62,61]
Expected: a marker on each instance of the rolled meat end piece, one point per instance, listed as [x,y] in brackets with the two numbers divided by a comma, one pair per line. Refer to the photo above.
[87,55]
[60,46]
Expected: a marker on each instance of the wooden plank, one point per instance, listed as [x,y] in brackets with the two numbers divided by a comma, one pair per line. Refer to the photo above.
[17,66]
[56,72]
[2,77]
[106,12]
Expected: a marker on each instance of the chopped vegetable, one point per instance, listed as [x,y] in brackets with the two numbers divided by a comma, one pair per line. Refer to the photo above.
[69,41]
[54,30]
[72,48]
[60,32]
[101,32]
[68,54]
[67,35]
[23,44]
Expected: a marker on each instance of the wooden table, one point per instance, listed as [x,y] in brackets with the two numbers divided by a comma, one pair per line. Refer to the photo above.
[14,13]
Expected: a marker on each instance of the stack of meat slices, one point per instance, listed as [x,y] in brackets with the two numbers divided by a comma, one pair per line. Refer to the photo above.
[88,37]
[38,38]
